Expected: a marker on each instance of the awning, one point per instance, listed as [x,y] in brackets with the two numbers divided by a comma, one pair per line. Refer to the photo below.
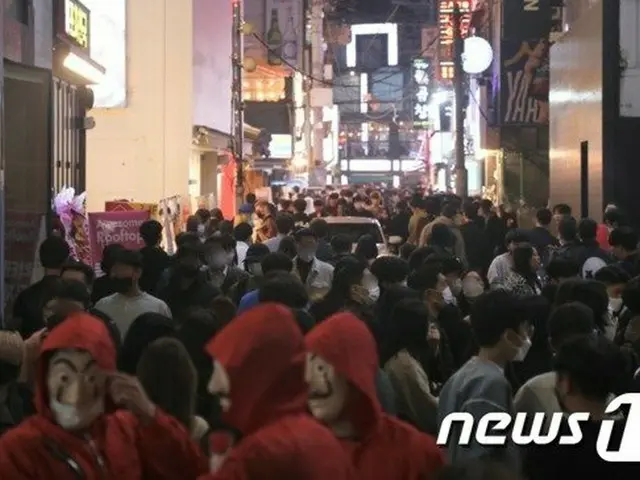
[273,116]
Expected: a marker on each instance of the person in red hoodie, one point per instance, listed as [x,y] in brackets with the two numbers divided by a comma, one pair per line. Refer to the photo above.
[77,432]
[259,361]
[341,368]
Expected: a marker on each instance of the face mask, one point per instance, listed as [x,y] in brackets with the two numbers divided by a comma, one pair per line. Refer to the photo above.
[122,284]
[231,256]
[306,255]
[374,293]
[523,350]
[217,260]
[456,288]
[448,297]
[615,305]
[255,269]
[201,230]
[69,418]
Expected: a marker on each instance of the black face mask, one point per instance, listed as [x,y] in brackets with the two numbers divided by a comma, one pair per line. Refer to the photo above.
[122,284]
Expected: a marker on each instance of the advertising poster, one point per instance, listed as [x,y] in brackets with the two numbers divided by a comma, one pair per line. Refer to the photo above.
[22,236]
[106,228]
[283,32]
[524,78]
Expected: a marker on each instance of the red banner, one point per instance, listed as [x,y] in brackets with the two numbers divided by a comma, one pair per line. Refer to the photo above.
[106,228]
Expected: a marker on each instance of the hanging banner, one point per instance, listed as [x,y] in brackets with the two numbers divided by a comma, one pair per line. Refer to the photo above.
[446,40]
[106,228]
[283,32]
[421,77]
[524,89]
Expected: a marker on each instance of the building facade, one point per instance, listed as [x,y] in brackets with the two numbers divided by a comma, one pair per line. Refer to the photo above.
[374,87]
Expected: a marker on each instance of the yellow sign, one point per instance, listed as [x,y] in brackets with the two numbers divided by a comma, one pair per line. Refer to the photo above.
[76,22]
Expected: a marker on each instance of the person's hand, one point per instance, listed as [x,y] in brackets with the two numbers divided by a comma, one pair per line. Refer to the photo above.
[30,353]
[127,392]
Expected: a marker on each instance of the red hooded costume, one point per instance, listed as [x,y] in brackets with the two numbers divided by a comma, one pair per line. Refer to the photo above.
[40,449]
[263,354]
[387,448]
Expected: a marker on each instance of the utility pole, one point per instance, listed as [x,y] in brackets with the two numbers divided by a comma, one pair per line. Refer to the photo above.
[237,102]
[459,82]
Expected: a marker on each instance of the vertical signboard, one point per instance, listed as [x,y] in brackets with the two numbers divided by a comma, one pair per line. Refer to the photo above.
[445,24]
[421,97]
[283,32]
[524,90]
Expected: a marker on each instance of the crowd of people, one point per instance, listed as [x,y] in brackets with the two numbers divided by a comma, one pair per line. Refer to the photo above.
[267,348]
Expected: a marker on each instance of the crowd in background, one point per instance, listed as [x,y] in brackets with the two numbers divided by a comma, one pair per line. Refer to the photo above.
[268,347]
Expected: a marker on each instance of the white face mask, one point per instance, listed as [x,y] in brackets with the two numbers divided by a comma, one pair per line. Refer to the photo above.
[523,350]
[448,297]
[306,255]
[615,304]
[374,293]
[201,230]
[69,418]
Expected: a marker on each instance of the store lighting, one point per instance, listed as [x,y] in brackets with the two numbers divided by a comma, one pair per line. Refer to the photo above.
[93,74]
[364,92]
[389,29]
[440,97]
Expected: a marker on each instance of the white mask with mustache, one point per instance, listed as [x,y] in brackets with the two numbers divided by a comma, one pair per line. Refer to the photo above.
[328,390]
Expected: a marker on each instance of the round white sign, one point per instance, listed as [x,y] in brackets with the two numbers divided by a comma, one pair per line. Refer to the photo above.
[477,56]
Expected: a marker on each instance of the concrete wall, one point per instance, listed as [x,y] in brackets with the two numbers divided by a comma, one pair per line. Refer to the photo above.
[142,152]
[576,110]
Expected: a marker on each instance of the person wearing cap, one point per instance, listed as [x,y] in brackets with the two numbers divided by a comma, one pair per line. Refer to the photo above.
[255,254]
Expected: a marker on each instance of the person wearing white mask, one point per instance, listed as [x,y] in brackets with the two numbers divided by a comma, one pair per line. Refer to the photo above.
[220,255]
[615,279]
[501,329]
[390,271]
[316,275]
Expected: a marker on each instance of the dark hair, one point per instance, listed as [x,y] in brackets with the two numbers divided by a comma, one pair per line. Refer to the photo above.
[288,247]
[587,229]
[190,251]
[562,209]
[450,209]
[631,296]
[77,266]
[442,236]
[624,237]
[419,256]
[225,227]
[71,290]
[614,217]
[406,250]
[53,252]
[192,224]
[544,217]
[130,258]
[300,205]
[568,229]
[225,241]
[319,227]
[216,214]
[405,328]
[341,243]
[612,275]
[145,329]
[366,248]
[108,256]
[250,198]
[187,238]
[224,309]
[151,232]
[424,278]
[284,288]
[348,272]
[595,366]
[284,223]
[562,267]
[591,293]
[569,320]
[242,232]
[389,269]
[516,235]
[304,233]
[522,256]
[203,214]
[417,202]
[493,313]
[276,262]
[169,377]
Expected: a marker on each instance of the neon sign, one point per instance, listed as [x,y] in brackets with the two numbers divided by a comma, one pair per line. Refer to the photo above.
[445,25]
[422,94]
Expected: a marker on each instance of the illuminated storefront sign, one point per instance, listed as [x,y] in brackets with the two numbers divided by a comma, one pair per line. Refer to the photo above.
[421,97]
[76,23]
[445,23]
